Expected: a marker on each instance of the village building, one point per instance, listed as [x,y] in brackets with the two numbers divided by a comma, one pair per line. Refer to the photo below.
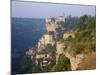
[46,39]
[53,23]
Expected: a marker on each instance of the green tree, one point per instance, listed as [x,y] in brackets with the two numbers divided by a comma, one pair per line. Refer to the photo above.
[50,48]
[63,64]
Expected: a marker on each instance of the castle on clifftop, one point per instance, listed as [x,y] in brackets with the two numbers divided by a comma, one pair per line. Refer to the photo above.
[53,23]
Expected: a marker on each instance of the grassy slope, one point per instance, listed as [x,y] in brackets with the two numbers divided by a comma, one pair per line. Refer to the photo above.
[89,62]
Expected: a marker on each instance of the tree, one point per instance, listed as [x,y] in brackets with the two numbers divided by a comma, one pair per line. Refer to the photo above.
[50,48]
[63,64]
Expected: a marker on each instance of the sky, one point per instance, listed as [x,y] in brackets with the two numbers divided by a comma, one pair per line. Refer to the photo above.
[26,9]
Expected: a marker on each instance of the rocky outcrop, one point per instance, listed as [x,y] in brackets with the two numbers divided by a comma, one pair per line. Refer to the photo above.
[53,23]
[46,39]
[59,49]
[75,60]
[67,34]
[49,38]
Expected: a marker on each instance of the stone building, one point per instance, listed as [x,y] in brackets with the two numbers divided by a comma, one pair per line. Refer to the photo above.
[53,23]
[46,39]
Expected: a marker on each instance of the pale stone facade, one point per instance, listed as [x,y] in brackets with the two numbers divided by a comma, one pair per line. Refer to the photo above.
[39,56]
[52,23]
[46,39]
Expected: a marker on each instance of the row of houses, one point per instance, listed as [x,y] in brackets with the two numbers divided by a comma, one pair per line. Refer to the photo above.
[39,56]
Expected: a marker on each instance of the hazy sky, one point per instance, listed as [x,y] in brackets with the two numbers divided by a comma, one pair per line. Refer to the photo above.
[43,10]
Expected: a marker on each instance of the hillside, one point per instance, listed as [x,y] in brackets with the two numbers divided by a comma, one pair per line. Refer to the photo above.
[83,43]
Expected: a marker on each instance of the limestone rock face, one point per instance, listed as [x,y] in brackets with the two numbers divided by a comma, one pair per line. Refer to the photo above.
[46,39]
[53,23]
[67,34]
[60,47]
[50,26]
[75,61]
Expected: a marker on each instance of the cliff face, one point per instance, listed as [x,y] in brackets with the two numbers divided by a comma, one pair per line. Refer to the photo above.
[44,52]
[72,45]
[53,23]
[59,49]
[51,36]
[46,39]
[74,60]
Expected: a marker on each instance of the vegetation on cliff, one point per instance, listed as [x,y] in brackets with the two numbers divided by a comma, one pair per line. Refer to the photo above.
[50,48]
[85,36]
[63,64]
